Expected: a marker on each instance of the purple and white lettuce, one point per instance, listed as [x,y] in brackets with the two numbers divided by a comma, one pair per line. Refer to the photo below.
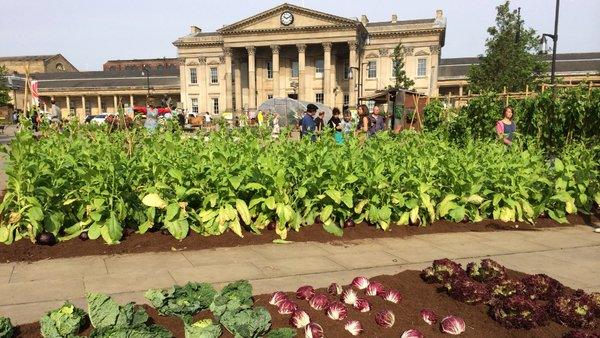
[385,318]
[349,296]
[453,325]
[305,292]
[337,311]
[354,327]
[319,302]
[299,319]
[362,305]
[429,316]
[313,330]
[360,283]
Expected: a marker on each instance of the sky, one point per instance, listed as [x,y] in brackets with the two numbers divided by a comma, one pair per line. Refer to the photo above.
[90,32]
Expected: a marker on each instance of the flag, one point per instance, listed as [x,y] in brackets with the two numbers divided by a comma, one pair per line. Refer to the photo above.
[34,92]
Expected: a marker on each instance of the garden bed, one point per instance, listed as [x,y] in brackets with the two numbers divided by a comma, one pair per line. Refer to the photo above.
[416,296]
[26,251]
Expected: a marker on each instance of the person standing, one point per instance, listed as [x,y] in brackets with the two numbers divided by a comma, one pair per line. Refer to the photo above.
[276,128]
[319,122]
[181,118]
[56,114]
[307,124]
[377,122]
[346,124]
[335,123]
[505,128]
[151,118]
[364,121]
[260,118]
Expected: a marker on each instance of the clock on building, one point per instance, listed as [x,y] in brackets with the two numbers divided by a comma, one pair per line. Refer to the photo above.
[287,18]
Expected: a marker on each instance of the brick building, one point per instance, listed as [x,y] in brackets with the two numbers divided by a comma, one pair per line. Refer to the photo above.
[136,64]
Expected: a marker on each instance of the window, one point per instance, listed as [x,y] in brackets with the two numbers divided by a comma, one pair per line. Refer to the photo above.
[159,67]
[319,97]
[319,68]
[370,105]
[214,75]
[269,69]
[60,67]
[215,104]
[269,96]
[195,106]
[233,102]
[346,100]
[372,69]
[346,70]
[193,76]
[295,69]
[394,63]
[422,67]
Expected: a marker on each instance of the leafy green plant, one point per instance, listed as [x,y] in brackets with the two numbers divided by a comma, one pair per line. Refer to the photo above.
[183,301]
[106,313]
[65,321]
[202,329]
[284,332]
[234,297]
[249,323]
[6,328]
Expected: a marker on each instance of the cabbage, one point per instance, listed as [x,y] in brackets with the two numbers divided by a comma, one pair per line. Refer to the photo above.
[519,312]
[249,323]
[105,312]
[64,321]
[202,329]
[181,301]
[234,297]
[284,332]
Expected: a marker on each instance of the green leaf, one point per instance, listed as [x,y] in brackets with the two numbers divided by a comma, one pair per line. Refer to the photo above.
[326,213]
[347,199]
[94,230]
[270,202]
[153,200]
[35,213]
[302,192]
[558,165]
[351,178]
[333,229]
[176,174]
[236,228]
[172,211]
[235,181]
[242,209]
[335,195]
[281,241]
[457,214]
[446,205]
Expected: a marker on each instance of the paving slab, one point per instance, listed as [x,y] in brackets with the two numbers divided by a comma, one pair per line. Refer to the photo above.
[217,273]
[359,246]
[298,266]
[58,269]
[565,239]
[40,291]
[146,262]
[291,250]
[222,256]
[29,312]
[472,248]
[5,272]
[366,259]
[414,250]
[127,282]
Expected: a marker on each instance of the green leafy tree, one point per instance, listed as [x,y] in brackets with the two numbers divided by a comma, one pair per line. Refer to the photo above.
[4,97]
[402,80]
[510,58]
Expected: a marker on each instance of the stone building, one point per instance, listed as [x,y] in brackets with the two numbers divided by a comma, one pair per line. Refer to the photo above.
[37,64]
[89,93]
[291,51]
[571,68]
[137,64]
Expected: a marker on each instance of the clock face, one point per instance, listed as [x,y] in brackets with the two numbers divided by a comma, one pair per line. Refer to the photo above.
[287,18]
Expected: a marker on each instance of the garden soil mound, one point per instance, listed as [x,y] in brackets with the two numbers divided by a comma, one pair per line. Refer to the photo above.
[26,251]
[416,294]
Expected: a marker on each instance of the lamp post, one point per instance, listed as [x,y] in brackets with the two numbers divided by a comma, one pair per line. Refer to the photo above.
[554,37]
[146,73]
[358,85]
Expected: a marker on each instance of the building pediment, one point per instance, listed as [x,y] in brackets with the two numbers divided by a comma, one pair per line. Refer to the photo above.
[287,17]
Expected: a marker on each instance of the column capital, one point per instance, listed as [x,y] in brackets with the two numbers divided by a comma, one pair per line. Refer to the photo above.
[251,50]
[434,49]
[227,51]
[384,52]
[202,60]
[409,50]
[327,46]
[353,45]
[275,49]
[301,47]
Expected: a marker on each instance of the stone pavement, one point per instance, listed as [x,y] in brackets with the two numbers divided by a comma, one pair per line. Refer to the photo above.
[571,255]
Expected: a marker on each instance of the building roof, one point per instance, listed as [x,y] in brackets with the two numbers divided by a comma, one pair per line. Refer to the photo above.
[143,60]
[567,63]
[399,22]
[166,78]
[28,57]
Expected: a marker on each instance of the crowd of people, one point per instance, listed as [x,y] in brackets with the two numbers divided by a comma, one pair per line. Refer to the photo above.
[368,123]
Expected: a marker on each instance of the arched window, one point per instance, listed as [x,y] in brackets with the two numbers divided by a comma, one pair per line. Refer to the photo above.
[60,67]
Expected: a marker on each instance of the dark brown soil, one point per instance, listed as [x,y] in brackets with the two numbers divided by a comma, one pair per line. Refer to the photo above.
[416,296]
[25,250]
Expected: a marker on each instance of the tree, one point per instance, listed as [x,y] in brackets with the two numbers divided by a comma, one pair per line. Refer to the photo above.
[510,58]
[402,80]
[4,90]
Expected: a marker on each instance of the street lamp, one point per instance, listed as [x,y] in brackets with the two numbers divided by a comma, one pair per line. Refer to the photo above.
[544,43]
[146,73]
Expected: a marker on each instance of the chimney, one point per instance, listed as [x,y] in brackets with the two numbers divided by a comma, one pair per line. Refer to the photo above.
[394,18]
[364,20]
[440,20]
[439,14]
[195,29]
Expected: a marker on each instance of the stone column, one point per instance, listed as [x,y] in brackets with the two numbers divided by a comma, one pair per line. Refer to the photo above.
[68,106]
[131,101]
[301,71]
[83,113]
[327,90]
[275,50]
[238,85]
[353,61]
[99,104]
[115,103]
[333,77]
[228,84]
[251,78]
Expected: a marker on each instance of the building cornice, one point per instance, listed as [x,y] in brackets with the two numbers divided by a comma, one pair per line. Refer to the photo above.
[345,27]
[397,33]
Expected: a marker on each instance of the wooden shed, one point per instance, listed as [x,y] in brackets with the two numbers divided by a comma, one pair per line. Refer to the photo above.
[407,106]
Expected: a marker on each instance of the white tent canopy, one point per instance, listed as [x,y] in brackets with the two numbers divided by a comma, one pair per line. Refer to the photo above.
[290,111]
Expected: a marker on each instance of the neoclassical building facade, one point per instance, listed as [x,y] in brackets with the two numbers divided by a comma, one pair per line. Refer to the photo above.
[291,51]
